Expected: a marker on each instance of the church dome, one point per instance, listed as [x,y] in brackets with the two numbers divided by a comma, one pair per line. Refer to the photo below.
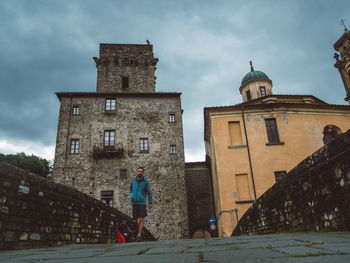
[254,75]
[255,84]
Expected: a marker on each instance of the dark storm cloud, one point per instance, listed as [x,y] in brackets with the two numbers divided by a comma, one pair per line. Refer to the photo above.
[203,48]
[37,59]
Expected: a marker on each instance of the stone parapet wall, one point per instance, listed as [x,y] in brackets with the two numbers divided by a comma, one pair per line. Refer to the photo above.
[36,212]
[314,196]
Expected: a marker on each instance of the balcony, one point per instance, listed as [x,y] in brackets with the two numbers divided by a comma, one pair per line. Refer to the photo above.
[108,152]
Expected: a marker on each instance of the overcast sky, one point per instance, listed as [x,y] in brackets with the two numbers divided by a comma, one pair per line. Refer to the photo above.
[204,48]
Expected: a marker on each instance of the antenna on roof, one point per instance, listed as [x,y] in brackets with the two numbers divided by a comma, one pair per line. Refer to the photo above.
[342,23]
[251,66]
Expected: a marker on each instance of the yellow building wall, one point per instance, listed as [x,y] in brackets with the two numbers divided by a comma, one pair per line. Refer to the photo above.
[301,133]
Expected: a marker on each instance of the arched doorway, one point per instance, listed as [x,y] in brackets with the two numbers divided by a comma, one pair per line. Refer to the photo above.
[201,233]
[330,132]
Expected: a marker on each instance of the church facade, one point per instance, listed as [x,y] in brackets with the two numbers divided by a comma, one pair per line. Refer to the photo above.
[254,144]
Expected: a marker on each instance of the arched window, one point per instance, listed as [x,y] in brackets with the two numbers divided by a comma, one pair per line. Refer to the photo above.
[330,132]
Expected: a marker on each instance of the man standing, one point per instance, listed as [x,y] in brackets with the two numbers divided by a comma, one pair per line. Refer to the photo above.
[139,188]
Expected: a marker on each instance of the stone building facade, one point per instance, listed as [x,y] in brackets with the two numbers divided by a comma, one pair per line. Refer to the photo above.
[104,136]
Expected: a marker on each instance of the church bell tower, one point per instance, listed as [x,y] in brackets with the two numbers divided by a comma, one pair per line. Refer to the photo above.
[343,61]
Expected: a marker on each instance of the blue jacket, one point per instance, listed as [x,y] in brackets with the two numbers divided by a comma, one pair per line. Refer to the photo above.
[138,191]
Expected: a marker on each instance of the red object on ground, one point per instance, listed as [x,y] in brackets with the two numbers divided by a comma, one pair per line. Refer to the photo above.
[119,238]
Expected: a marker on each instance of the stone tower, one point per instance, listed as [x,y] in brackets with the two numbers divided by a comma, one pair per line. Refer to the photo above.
[343,63]
[255,84]
[104,136]
[126,68]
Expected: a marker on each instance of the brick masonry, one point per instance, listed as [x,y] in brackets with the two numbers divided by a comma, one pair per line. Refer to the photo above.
[140,113]
[36,212]
[314,196]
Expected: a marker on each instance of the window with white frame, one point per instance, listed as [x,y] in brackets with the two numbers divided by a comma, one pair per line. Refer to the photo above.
[74,146]
[75,110]
[172,117]
[172,149]
[110,104]
[109,138]
[144,147]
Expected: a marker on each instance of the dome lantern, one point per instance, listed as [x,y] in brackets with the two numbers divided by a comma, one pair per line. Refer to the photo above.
[255,84]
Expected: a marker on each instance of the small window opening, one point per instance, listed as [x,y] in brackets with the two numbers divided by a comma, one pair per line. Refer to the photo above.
[125,82]
[123,173]
[248,95]
[110,104]
[171,117]
[107,197]
[144,145]
[74,146]
[172,149]
[75,110]
[262,91]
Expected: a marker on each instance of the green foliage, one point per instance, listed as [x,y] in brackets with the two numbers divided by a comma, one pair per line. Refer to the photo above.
[30,163]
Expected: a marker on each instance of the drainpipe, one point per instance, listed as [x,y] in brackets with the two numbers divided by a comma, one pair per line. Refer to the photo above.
[250,161]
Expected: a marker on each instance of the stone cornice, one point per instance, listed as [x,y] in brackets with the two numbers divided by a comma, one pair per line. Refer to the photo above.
[117,95]
[124,62]
[282,98]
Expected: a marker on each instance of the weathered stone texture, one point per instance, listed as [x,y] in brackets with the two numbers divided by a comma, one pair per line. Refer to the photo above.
[199,197]
[47,214]
[141,113]
[314,196]
[133,61]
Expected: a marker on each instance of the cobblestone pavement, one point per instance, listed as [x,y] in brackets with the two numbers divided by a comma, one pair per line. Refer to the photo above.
[310,247]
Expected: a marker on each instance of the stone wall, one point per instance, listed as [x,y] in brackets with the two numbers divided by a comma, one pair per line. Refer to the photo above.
[136,62]
[199,197]
[314,196]
[136,116]
[36,212]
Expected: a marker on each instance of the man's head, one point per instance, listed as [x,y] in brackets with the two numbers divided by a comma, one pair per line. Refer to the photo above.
[140,172]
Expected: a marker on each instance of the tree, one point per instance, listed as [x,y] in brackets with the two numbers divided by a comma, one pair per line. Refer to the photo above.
[30,163]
